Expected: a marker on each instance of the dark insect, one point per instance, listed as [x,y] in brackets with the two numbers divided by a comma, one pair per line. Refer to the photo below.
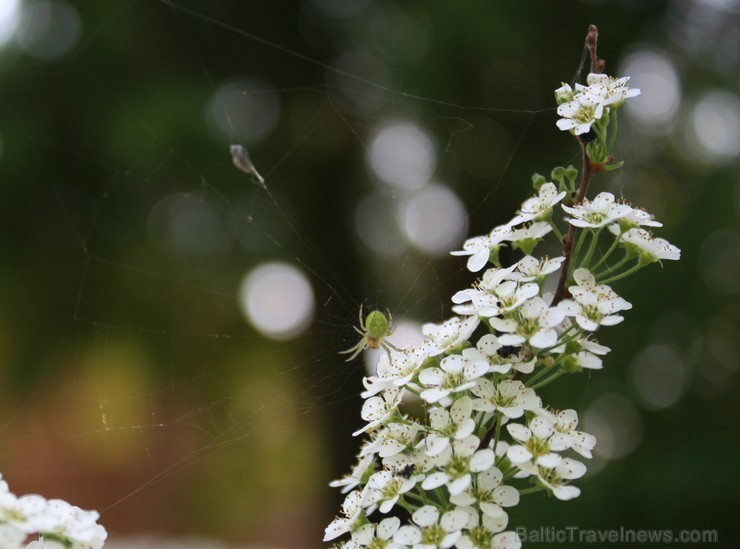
[406,471]
[507,351]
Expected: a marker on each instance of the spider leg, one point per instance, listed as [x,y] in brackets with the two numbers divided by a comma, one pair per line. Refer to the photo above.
[356,350]
[359,331]
[387,343]
[362,320]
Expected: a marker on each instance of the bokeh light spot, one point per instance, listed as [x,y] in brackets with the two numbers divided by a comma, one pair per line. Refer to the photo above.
[9,19]
[714,128]
[433,219]
[277,300]
[402,155]
[654,109]
[377,226]
[49,30]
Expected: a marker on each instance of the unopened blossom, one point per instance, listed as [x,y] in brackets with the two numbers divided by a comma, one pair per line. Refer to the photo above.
[540,206]
[538,443]
[593,304]
[489,494]
[509,397]
[535,323]
[649,248]
[580,114]
[351,513]
[432,531]
[564,94]
[449,425]
[378,535]
[457,463]
[557,478]
[452,332]
[385,488]
[455,373]
[600,212]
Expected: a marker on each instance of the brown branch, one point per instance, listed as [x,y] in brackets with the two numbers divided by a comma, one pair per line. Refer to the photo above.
[588,171]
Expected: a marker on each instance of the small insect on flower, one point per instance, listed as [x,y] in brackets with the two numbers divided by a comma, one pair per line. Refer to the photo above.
[374,329]
[240,157]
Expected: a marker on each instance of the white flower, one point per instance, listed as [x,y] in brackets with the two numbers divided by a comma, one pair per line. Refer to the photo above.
[527,237]
[359,474]
[556,478]
[395,370]
[386,488]
[394,438]
[491,496]
[564,424]
[456,373]
[535,323]
[11,537]
[377,409]
[457,464]
[452,332]
[511,398]
[599,213]
[595,304]
[431,530]
[455,424]
[382,533]
[489,300]
[352,511]
[537,443]
[539,206]
[613,91]
[479,248]
[482,298]
[564,94]
[579,114]
[650,249]
[636,218]
[502,359]
[530,269]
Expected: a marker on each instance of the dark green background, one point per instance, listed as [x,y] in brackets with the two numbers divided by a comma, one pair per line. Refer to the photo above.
[129,382]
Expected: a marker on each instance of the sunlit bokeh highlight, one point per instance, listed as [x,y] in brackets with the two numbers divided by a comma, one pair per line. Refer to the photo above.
[654,110]
[433,219]
[9,19]
[49,29]
[713,132]
[277,300]
[402,155]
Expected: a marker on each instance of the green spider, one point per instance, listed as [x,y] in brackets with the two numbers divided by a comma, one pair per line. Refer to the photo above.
[374,328]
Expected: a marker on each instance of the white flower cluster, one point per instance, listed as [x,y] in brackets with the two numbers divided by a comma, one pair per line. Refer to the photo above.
[57,523]
[486,438]
[581,107]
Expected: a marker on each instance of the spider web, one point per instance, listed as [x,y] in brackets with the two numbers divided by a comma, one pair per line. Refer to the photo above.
[152,400]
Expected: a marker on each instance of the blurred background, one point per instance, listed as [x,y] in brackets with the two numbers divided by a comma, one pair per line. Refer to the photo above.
[169,328]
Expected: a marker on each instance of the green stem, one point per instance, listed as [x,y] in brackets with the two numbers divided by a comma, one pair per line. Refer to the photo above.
[614,267]
[620,276]
[609,252]
[548,380]
[532,490]
[594,239]
[555,229]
